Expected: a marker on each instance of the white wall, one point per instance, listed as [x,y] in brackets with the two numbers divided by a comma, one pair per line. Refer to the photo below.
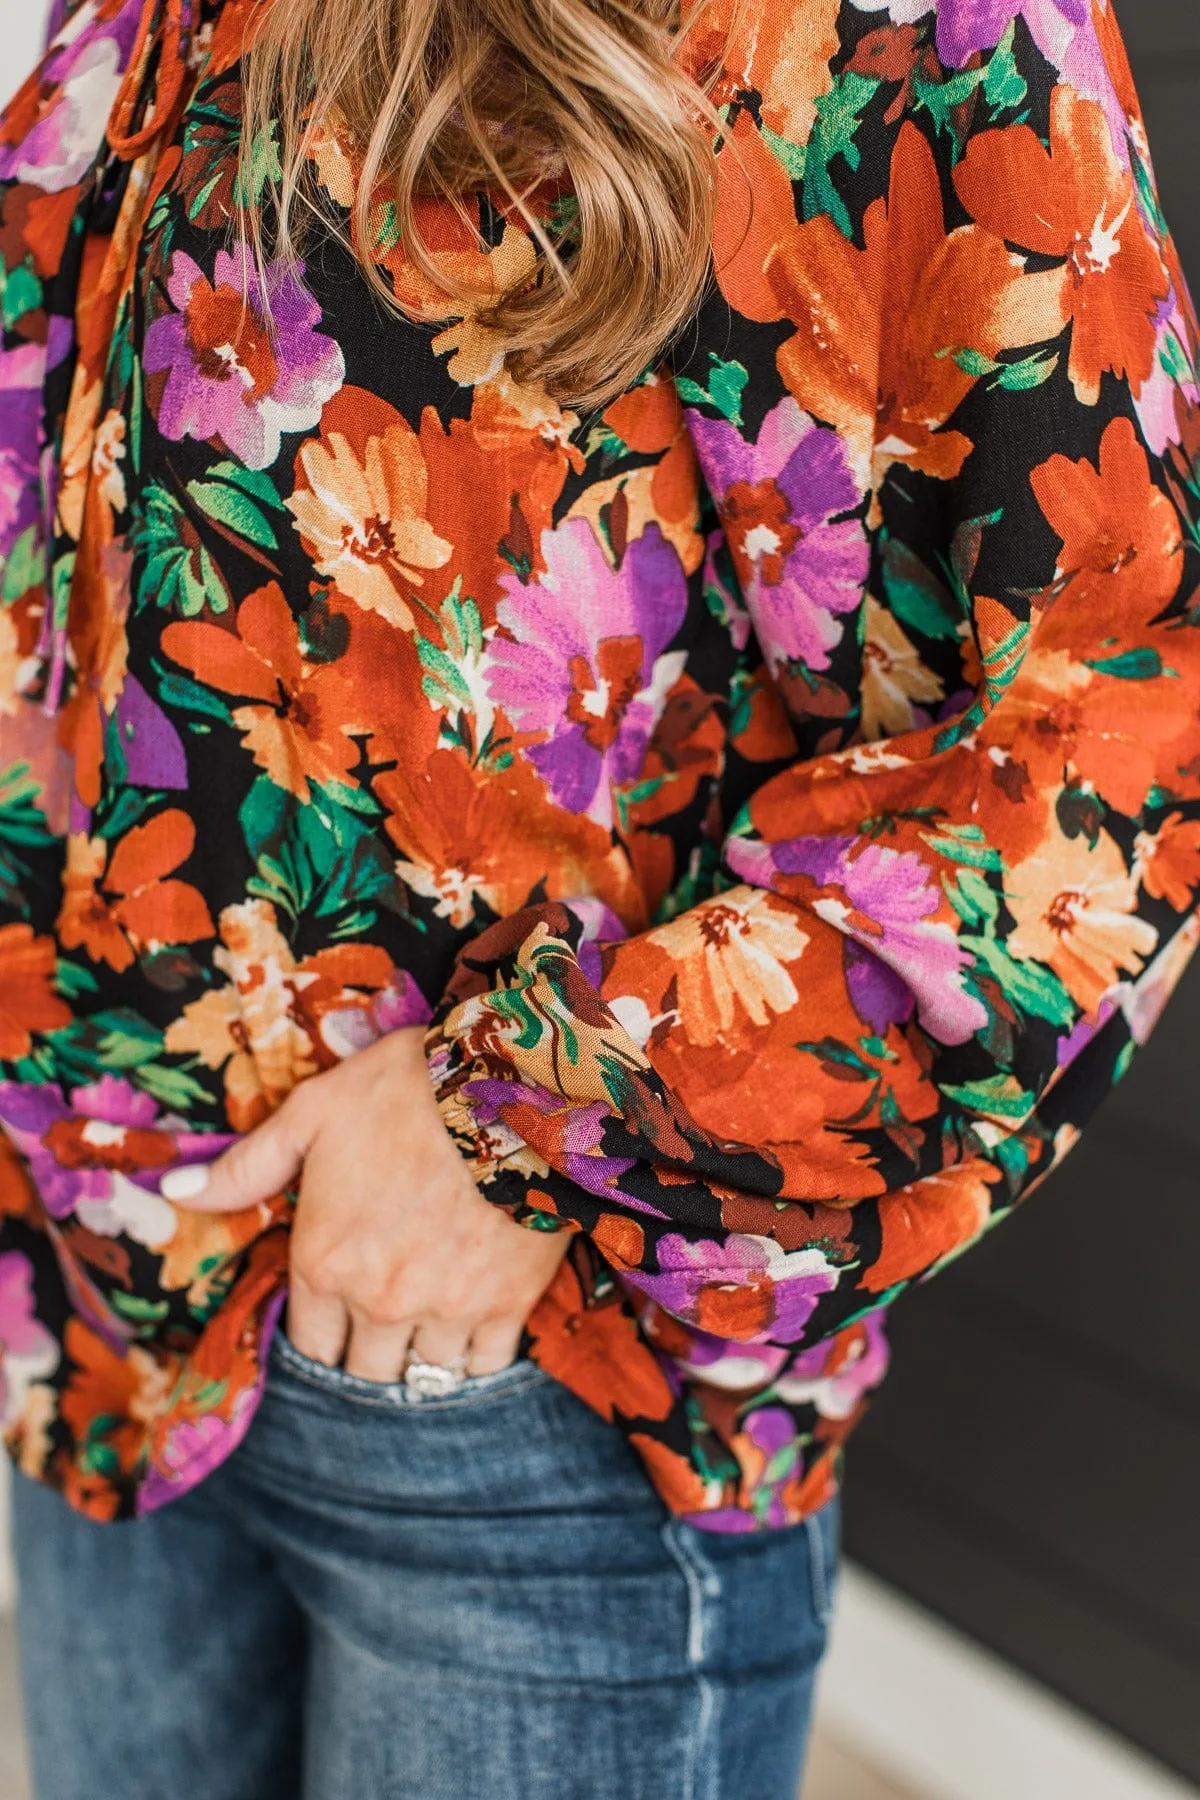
[21,26]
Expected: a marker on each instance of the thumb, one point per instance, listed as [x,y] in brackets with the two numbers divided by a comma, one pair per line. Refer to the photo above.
[261,1165]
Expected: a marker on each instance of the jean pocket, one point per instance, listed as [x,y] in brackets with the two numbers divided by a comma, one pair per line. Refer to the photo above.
[473,1390]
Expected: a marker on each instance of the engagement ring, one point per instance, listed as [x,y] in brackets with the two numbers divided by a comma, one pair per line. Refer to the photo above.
[432,1381]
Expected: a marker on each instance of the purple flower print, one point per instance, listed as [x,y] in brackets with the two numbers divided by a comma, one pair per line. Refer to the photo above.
[752,1289]
[152,748]
[1172,376]
[770,1431]
[241,373]
[884,906]
[584,667]
[835,1376]
[84,75]
[98,1153]
[739,1368]
[21,374]
[583,1127]
[346,1029]
[1061,29]
[193,1449]
[967,26]
[28,1352]
[799,565]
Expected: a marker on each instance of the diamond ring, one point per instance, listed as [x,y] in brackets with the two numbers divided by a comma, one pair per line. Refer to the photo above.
[432,1381]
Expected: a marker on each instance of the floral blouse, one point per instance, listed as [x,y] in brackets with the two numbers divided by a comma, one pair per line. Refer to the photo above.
[776,793]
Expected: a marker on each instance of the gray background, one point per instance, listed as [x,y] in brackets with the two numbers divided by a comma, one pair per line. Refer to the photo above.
[1032,1469]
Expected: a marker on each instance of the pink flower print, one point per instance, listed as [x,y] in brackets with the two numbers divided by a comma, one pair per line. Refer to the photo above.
[241,370]
[584,665]
[28,1352]
[747,1289]
[799,564]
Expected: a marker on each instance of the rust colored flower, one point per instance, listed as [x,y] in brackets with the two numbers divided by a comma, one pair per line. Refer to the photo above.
[299,714]
[1075,201]
[120,900]
[28,1002]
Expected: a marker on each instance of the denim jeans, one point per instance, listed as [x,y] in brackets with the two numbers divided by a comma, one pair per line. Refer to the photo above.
[375,1598]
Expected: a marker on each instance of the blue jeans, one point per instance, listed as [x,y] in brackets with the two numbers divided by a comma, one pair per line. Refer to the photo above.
[477,1598]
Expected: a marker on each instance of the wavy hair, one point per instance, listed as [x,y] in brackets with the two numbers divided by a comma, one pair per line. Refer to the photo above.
[443,97]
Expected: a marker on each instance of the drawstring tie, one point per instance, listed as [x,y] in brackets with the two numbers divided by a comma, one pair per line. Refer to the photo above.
[152,86]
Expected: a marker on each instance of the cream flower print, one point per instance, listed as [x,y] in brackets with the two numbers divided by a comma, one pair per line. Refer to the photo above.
[360,514]
[732,958]
[1074,904]
[248,1026]
[894,677]
[108,454]
[10,665]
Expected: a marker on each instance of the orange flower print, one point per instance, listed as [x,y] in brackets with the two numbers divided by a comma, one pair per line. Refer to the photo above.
[925,1222]
[1122,546]
[1110,733]
[1074,904]
[299,714]
[892,395]
[1168,861]
[1075,200]
[360,503]
[597,1352]
[278,1019]
[118,900]
[28,1002]
[128,1389]
[466,837]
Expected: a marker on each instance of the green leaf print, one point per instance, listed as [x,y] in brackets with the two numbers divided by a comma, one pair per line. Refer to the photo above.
[918,597]
[965,844]
[24,566]
[21,824]
[233,498]
[792,157]
[1000,1097]
[972,899]
[1032,988]
[839,118]
[321,857]
[20,293]
[1004,86]
[1144,664]
[177,572]
[726,385]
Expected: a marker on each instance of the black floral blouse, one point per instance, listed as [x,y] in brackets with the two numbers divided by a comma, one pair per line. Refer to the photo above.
[777,794]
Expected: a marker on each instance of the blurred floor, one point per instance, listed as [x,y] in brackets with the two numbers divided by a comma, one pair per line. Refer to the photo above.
[834,1775]
[837,1774]
[13,1783]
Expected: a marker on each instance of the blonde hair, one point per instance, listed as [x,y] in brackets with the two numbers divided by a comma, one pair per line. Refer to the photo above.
[440,97]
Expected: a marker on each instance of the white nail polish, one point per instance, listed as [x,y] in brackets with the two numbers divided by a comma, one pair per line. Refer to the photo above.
[184,1183]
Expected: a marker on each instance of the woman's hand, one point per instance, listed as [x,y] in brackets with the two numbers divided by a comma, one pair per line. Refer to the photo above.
[393,1249]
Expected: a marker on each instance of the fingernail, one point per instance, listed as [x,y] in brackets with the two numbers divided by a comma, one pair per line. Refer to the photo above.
[184,1183]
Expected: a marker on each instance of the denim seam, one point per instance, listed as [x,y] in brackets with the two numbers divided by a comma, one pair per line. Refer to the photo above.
[818,1570]
[702,1584]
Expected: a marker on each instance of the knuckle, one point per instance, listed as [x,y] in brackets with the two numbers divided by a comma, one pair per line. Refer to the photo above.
[317,1273]
[381,1301]
[380,1313]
